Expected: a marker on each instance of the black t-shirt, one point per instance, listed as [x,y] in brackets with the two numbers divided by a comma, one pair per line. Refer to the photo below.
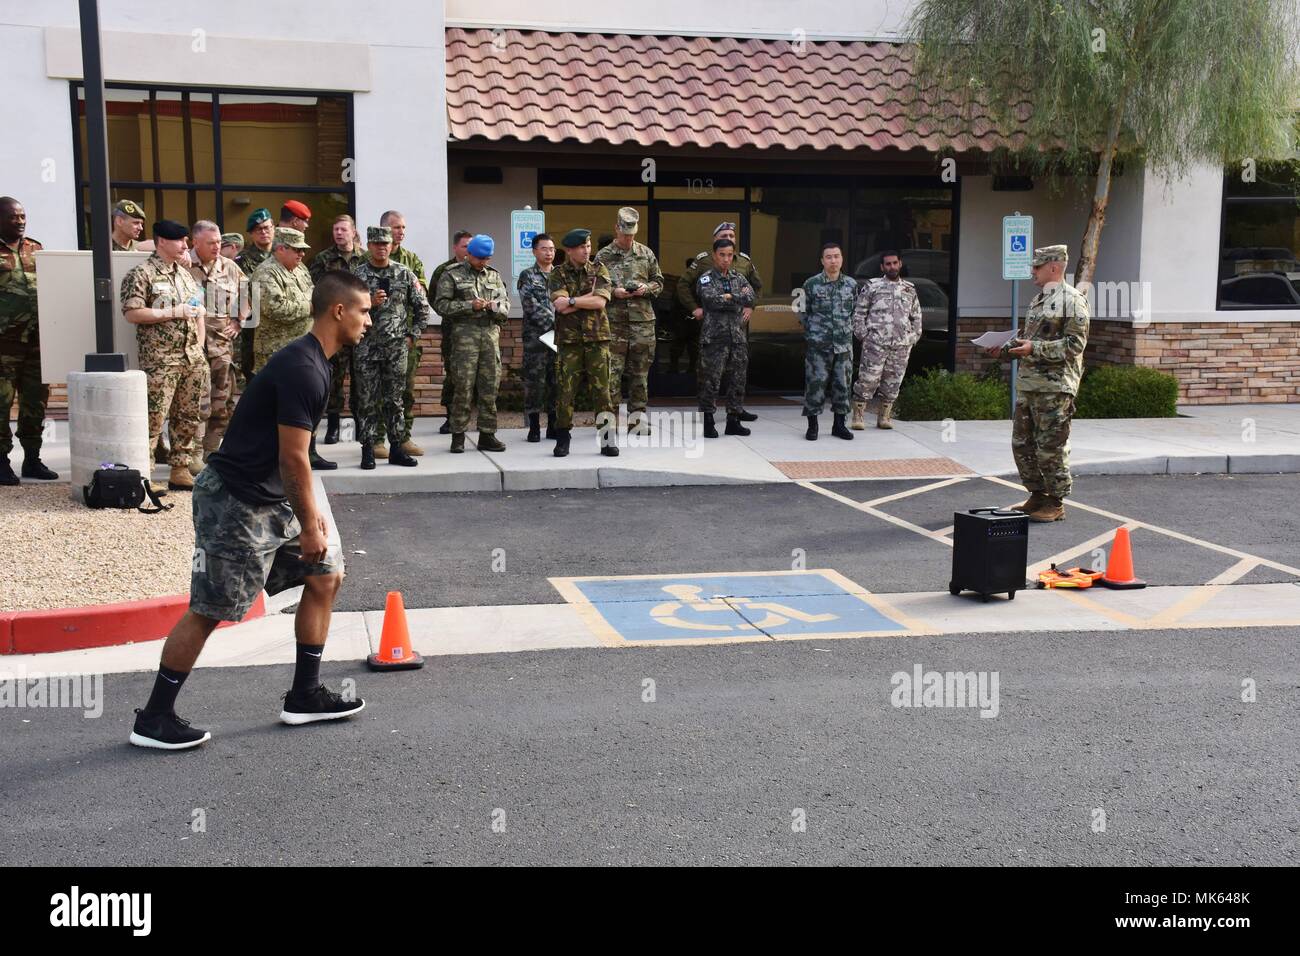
[291,389]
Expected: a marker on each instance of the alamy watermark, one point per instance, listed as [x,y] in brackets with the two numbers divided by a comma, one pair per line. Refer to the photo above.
[922,688]
[38,690]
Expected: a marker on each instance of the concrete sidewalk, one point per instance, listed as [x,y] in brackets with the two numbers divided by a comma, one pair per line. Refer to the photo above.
[1208,439]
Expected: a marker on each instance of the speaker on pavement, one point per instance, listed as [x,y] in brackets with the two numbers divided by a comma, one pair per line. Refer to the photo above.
[990,550]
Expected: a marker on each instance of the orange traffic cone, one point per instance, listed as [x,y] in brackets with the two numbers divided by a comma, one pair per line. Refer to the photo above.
[1119,569]
[395,652]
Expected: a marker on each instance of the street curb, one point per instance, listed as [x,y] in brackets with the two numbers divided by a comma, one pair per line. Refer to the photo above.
[100,625]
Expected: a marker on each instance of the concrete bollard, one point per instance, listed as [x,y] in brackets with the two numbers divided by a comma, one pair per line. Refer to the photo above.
[108,421]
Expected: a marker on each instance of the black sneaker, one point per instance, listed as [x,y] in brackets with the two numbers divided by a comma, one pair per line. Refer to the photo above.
[166,732]
[320,703]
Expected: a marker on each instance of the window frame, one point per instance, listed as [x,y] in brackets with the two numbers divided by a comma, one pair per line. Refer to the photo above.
[218,186]
[1227,201]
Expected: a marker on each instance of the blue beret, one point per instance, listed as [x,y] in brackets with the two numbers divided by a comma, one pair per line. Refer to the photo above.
[481,246]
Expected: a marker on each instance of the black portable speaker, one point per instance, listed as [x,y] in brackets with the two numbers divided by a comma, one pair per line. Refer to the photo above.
[990,550]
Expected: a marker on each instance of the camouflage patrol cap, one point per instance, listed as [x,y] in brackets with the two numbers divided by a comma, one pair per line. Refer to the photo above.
[256,218]
[628,220]
[128,207]
[379,234]
[284,236]
[1046,254]
[232,239]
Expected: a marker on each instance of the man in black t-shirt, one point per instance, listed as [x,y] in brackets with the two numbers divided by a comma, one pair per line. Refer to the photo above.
[256,523]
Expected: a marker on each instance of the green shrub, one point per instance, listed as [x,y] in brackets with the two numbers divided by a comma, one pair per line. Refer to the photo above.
[937,394]
[1127,391]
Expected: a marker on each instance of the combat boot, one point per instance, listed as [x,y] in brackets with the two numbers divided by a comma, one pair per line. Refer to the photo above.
[158,490]
[488,441]
[332,429]
[445,427]
[859,416]
[841,430]
[710,430]
[411,448]
[551,430]
[380,450]
[180,479]
[535,427]
[367,457]
[746,416]
[398,457]
[734,427]
[1030,504]
[884,417]
[811,433]
[562,442]
[33,467]
[317,462]
[609,444]
[7,476]
[1052,509]
[458,443]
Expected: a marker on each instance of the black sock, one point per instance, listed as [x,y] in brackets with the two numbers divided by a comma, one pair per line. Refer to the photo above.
[165,688]
[307,674]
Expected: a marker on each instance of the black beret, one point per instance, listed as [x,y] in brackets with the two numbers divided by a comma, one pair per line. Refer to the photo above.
[169,229]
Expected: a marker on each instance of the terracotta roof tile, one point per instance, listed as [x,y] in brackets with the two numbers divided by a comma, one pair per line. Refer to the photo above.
[724,91]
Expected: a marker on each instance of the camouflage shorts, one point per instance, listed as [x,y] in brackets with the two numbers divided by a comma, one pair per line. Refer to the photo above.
[239,549]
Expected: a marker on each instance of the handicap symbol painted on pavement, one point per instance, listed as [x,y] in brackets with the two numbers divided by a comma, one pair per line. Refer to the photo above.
[735,606]
[1018,243]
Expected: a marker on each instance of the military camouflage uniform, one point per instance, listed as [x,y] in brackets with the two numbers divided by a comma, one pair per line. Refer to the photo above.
[631,321]
[539,360]
[414,354]
[1046,386]
[446,334]
[688,284]
[248,260]
[341,364]
[226,297]
[170,353]
[724,349]
[476,348]
[380,360]
[282,307]
[828,341]
[887,318]
[129,247]
[582,338]
[20,348]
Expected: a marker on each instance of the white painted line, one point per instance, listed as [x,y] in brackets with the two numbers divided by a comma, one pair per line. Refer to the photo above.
[915,491]
[867,509]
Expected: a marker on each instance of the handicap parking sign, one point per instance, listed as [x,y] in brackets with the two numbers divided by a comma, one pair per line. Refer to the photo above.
[526,239]
[1018,243]
[695,608]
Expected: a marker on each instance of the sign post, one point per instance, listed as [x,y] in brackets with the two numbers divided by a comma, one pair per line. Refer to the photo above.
[524,224]
[1017,258]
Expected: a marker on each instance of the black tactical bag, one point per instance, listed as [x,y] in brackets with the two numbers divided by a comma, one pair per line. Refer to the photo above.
[117,486]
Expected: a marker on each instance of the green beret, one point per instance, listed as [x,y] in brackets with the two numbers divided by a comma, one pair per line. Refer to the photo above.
[379,234]
[127,207]
[575,237]
[256,218]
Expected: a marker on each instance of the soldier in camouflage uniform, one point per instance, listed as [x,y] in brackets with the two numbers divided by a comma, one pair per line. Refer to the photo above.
[128,223]
[827,318]
[688,285]
[580,290]
[447,330]
[261,233]
[344,256]
[395,221]
[474,296]
[1051,364]
[887,319]
[539,318]
[399,313]
[162,300]
[232,244]
[20,346]
[227,301]
[727,299]
[634,272]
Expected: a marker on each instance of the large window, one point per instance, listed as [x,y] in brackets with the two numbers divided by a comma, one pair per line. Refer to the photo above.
[1258,266]
[190,154]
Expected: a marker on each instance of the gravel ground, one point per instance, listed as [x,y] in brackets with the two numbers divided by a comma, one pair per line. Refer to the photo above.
[58,553]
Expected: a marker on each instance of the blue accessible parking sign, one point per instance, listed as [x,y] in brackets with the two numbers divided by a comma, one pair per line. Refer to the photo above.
[704,608]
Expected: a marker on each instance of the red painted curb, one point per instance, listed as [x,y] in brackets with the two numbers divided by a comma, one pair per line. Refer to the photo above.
[103,625]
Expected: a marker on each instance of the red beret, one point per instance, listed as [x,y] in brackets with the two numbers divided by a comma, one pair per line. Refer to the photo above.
[298,209]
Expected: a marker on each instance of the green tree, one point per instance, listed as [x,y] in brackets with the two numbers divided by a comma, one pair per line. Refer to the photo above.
[1082,83]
